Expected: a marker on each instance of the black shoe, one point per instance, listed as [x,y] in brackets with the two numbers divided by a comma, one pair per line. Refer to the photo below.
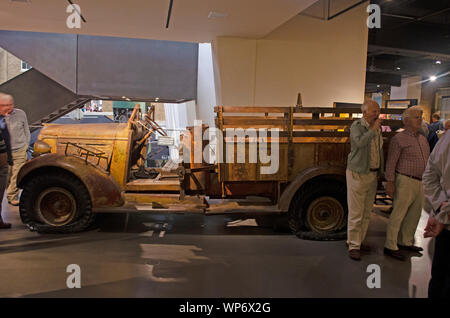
[354,254]
[411,248]
[4,225]
[395,254]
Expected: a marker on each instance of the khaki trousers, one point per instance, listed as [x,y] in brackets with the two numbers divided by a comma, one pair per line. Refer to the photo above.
[361,191]
[407,207]
[19,159]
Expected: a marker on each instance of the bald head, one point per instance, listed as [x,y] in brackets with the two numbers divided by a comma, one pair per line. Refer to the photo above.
[369,103]
[370,110]
[6,104]
[6,98]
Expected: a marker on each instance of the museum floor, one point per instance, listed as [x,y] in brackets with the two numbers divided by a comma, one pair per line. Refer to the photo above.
[196,256]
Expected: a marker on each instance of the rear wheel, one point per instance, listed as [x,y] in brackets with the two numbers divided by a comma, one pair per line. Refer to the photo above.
[56,203]
[318,211]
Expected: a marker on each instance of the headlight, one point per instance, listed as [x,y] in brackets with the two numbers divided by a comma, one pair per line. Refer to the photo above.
[41,147]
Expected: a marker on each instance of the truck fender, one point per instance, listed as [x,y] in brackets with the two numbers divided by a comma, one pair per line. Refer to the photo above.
[304,176]
[103,189]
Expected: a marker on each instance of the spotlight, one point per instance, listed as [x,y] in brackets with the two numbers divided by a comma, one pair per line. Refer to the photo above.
[397,68]
[438,62]
[433,78]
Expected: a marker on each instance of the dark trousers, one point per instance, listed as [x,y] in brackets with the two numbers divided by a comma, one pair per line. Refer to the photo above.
[440,271]
[3,180]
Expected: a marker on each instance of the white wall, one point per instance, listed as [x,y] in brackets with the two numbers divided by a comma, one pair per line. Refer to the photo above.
[178,117]
[206,91]
[400,92]
[324,60]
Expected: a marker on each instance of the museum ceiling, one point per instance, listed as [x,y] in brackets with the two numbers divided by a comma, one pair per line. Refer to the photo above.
[414,39]
[190,21]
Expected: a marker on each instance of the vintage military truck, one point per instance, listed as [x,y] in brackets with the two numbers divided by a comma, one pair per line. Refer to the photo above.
[80,170]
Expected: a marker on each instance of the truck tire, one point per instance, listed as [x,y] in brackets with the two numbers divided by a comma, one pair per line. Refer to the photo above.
[56,203]
[318,211]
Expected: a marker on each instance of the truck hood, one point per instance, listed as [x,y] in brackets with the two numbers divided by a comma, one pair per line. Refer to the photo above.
[107,130]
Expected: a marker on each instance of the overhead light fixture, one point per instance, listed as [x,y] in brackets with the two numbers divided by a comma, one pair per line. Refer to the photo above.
[433,78]
[438,62]
[397,68]
[156,99]
[169,13]
[378,85]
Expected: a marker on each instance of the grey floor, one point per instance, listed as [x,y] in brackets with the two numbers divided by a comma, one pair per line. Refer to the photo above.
[200,256]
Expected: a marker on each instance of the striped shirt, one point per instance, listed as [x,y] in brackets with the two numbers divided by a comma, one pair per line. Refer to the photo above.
[408,155]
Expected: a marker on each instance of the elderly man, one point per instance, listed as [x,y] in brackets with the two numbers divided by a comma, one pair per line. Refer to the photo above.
[17,123]
[364,163]
[436,186]
[5,156]
[436,123]
[407,157]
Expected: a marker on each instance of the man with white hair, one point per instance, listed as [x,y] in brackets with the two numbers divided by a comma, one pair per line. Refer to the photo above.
[407,158]
[17,123]
[5,157]
[364,163]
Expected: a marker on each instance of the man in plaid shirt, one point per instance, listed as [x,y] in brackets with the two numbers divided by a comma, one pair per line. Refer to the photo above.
[407,158]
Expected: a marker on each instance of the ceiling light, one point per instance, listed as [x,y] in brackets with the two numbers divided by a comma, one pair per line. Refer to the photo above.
[156,99]
[433,78]
[438,62]
[397,68]
[378,85]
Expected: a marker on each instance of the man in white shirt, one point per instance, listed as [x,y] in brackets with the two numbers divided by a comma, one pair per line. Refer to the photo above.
[436,186]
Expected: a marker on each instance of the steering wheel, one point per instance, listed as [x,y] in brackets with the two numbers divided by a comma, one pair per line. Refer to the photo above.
[147,123]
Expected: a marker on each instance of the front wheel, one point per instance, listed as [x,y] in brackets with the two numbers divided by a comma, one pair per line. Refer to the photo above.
[318,211]
[56,203]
